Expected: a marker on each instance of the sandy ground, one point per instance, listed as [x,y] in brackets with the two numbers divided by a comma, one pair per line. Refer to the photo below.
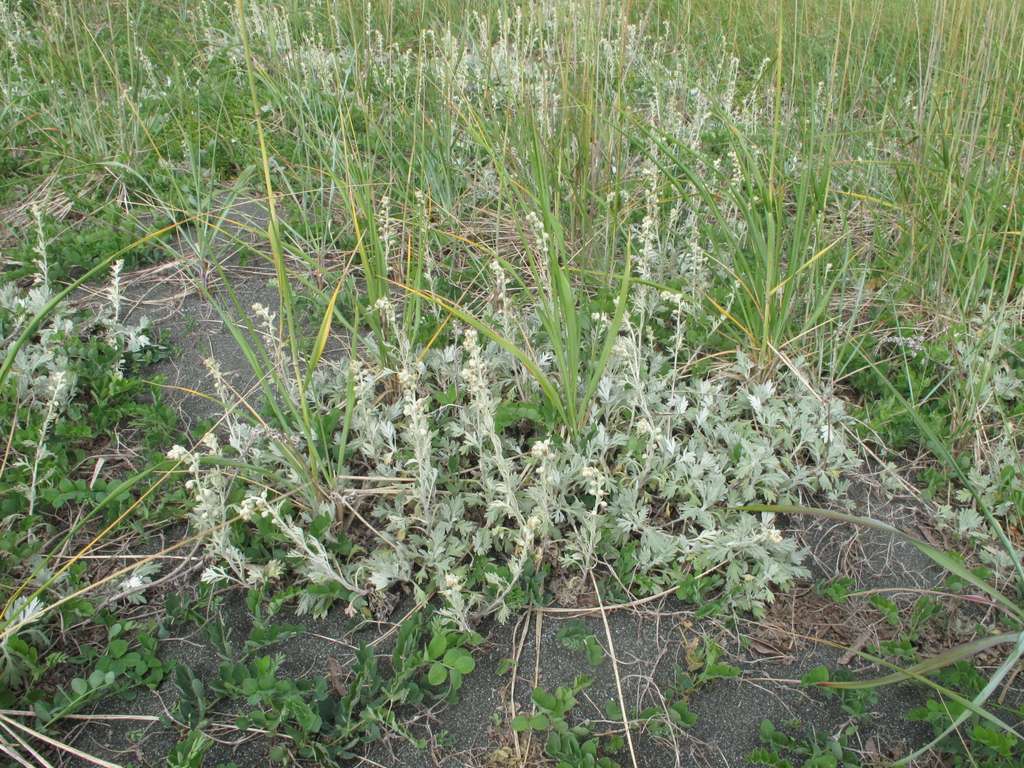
[650,642]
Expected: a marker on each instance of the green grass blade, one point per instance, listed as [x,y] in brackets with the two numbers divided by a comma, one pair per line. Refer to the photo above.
[931,664]
[323,334]
[611,334]
[975,705]
[943,559]
[545,383]
[942,452]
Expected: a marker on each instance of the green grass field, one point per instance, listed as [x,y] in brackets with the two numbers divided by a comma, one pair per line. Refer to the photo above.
[463,315]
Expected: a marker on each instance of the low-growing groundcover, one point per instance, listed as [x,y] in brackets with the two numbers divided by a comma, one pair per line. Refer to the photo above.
[483,498]
[581,307]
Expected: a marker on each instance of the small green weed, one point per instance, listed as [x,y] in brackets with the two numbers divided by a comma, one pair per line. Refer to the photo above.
[572,746]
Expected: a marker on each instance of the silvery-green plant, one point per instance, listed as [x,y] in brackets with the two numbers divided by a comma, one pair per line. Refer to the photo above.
[40,380]
[664,462]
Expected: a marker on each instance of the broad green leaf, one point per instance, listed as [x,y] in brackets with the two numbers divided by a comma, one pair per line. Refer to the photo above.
[118,648]
[437,646]
[595,653]
[521,723]
[545,699]
[456,679]
[437,674]
[816,676]
[457,658]
[612,710]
